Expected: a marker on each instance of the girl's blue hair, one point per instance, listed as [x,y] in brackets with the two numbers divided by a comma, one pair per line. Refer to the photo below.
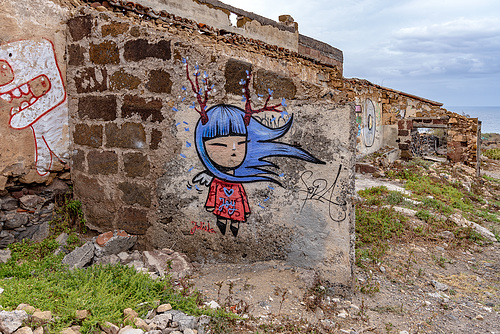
[225,120]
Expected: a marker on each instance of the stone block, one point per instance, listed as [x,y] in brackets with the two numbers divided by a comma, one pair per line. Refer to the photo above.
[135,164]
[88,135]
[8,203]
[113,242]
[133,220]
[89,188]
[91,79]
[135,105]
[103,163]
[156,136]
[281,85]
[404,146]
[76,55]
[97,107]
[234,72]
[78,160]
[11,321]
[159,82]
[133,193]
[6,239]
[114,29]
[123,80]
[15,220]
[80,257]
[166,261]
[80,27]
[34,233]
[31,202]
[130,135]
[140,49]
[104,53]
[403,133]
[5,255]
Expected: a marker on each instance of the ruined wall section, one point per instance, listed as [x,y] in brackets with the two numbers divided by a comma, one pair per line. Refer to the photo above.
[136,158]
[396,111]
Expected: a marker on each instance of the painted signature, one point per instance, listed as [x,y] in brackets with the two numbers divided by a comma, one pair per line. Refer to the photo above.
[202,226]
[320,190]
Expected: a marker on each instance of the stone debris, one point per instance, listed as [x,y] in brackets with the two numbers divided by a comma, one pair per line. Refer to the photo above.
[169,322]
[113,242]
[5,255]
[11,321]
[26,212]
[461,221]
[80,257]
[439,286]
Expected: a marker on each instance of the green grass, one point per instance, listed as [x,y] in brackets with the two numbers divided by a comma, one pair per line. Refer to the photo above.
[35,276]
[493,153]
[373,229]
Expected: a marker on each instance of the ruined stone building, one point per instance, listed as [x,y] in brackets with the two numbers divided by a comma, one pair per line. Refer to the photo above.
[196,126]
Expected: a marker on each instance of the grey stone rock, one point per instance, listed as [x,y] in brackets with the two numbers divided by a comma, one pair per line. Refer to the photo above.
[130,330]
[109,259]
[62,239]
[15,220]
[161,321]
[203,321]
[57,187]
[35,232]
[8,203]
[3,217]
[439,286]
[119,242]
[11,321]
[184,320]
[6,239]
[80,257]
[31,202]
[166,261]
[5,255]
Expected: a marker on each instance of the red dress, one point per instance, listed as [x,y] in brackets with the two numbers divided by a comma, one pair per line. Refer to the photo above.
[228,200]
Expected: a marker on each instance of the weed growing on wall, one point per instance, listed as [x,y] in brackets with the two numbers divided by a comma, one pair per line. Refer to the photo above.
[69,215]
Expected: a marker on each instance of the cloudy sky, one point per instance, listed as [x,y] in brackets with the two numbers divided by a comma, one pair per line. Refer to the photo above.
[443,50]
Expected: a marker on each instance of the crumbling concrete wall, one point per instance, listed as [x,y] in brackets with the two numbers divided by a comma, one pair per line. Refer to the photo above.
[141,161]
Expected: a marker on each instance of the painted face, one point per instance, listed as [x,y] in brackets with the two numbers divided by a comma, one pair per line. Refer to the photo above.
[228,151]
[31,84]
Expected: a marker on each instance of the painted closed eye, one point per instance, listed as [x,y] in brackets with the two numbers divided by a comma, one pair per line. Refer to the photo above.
[218,144]
[243,142]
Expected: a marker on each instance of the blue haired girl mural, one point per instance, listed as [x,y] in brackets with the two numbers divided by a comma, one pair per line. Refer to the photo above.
[233,146]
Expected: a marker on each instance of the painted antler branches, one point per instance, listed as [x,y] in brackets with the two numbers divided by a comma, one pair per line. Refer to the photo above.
[249,111]
[201,93]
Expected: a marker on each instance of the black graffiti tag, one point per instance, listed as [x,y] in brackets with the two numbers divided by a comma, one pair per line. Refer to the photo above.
[320,190]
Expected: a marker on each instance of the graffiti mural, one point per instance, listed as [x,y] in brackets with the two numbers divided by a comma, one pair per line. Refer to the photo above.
[32,92]
[234,147]
[369,130]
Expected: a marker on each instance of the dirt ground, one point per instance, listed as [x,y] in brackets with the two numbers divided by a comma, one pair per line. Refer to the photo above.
[421,287]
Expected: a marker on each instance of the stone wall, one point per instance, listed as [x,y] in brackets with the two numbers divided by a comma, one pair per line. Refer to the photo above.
[141,161]
[385,117]
[34,131]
